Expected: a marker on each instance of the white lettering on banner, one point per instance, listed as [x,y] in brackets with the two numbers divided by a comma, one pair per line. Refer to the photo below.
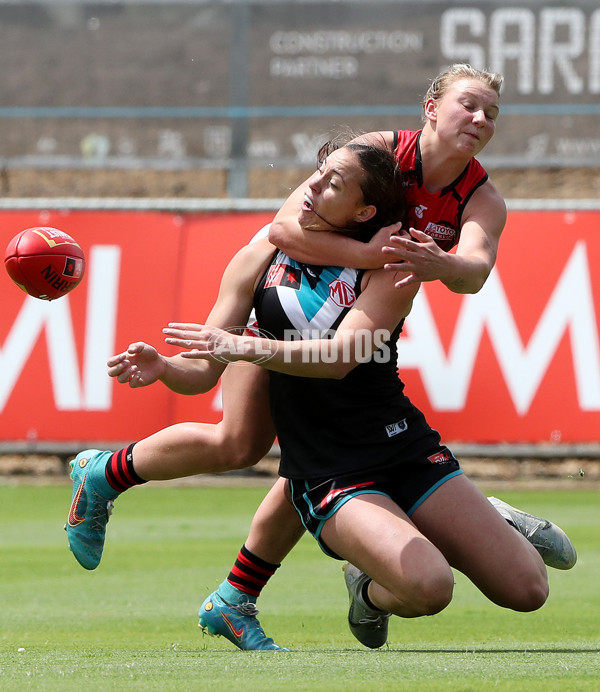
[93,393]
[34,316]
[561,54]
[447,378]
[451,48]
[312,67]
[578,146]
[306,145]
[322,42]
[101,325]
[556,39]
[331,54]
[522,22]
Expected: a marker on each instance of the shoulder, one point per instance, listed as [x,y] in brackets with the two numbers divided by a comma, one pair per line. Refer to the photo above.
[379,285]
[487,196]
[485,211]
[249,262]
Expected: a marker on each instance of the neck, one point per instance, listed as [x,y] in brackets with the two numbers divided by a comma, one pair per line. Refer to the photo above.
[440,166]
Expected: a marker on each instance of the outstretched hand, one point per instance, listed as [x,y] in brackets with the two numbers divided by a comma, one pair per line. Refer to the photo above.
[202,341]
[139,366]
[417,256]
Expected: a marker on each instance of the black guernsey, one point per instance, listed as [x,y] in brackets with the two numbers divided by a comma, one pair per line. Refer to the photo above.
[328,427]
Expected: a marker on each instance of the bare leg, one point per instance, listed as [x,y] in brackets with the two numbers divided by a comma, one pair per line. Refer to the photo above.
[409,563]
[410,575]
[476,540]
[241,439]
[276,526]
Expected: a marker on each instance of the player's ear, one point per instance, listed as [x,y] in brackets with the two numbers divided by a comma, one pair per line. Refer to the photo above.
[431,109]
[366,213]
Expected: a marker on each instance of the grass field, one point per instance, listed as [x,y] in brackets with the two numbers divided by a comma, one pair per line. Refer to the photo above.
[131,624]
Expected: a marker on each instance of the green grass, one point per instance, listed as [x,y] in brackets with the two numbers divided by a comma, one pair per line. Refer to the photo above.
[131,624]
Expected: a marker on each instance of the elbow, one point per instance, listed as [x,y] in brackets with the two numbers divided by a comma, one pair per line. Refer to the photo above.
[474,288]
[464,286]
[190,390]
[206,385]
[338,371]
[479,283]
[276,234]
[192,387]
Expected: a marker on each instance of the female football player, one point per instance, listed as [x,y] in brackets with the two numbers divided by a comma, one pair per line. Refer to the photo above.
[445,183]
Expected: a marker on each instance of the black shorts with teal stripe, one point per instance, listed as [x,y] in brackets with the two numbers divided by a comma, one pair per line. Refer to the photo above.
[408,483]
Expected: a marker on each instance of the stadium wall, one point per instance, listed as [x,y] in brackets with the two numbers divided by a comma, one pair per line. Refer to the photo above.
[518,363]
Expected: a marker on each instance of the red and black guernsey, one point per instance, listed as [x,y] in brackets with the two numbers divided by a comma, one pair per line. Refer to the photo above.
[439,214]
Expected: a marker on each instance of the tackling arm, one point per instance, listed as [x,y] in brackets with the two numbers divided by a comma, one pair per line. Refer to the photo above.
[466,270]
[328,248]
[374,316]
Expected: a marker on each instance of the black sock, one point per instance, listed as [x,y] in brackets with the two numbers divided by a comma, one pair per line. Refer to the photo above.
[365,596]
[120,473]
[250,572]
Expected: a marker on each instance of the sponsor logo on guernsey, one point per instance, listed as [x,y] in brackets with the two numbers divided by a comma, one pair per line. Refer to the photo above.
[396,428]
[420,210]
[342,293]
[438,230]
[440,458]
[283,275]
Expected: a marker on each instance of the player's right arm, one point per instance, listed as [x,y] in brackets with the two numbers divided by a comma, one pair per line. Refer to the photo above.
[141,364]
[329,248]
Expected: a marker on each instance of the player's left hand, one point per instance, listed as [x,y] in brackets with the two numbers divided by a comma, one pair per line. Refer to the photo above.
[202,341]
[417,256]
[140,365]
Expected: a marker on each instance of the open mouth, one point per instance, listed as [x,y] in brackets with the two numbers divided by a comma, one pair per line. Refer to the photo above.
[307,203]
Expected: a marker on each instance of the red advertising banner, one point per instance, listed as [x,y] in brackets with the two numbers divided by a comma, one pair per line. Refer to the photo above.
[518,362]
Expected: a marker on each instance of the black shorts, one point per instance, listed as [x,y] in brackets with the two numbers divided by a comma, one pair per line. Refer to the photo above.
[409,482]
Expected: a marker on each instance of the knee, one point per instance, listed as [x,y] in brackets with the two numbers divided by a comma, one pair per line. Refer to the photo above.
[240,457]
[228,451]
[243,451]
[435,594]
[530,596]
[523,589]
[430,593]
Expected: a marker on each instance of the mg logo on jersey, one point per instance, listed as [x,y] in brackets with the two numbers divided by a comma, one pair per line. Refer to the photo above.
[342,293]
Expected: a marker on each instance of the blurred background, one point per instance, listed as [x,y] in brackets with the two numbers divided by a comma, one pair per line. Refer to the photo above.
[163,134]
[230,98]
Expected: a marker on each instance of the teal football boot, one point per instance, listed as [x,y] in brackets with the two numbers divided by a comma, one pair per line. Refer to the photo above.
[238,623]
[91,507]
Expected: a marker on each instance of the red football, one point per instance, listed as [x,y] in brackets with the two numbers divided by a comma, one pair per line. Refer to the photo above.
[44,262]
